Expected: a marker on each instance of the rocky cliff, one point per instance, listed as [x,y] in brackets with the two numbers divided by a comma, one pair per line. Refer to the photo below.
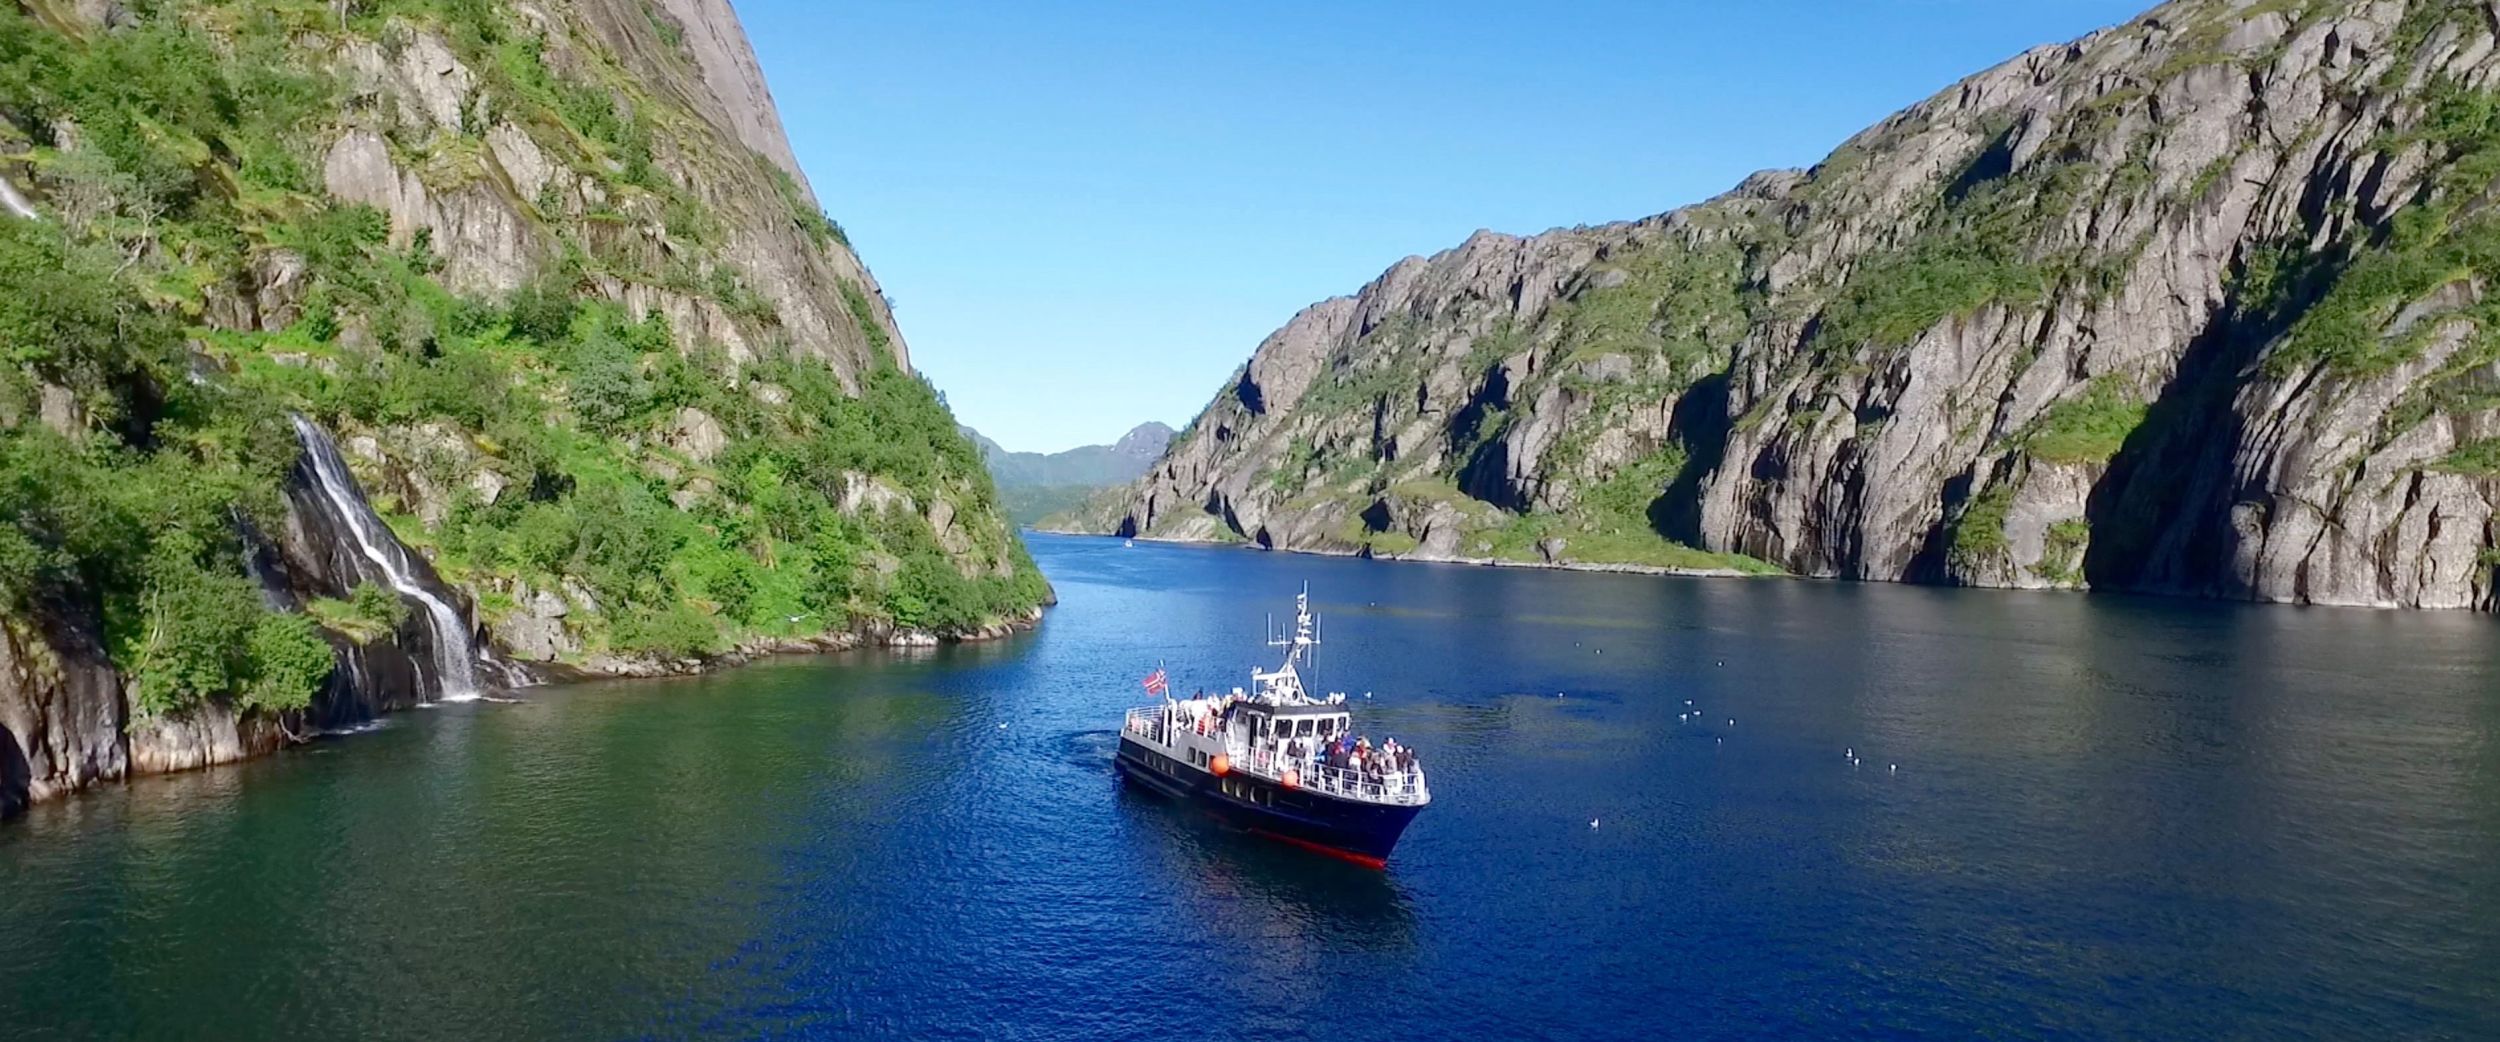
[2195,304]
[611,393]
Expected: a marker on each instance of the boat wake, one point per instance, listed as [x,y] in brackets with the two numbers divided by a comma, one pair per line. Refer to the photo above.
[1091,750]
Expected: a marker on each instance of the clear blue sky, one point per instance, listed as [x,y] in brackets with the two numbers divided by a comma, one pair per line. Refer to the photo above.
[1089,213]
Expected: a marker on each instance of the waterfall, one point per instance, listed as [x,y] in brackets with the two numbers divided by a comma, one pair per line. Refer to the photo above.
[455,659]
[14,203]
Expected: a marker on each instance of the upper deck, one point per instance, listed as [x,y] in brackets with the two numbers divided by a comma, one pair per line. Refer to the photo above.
[1264,751]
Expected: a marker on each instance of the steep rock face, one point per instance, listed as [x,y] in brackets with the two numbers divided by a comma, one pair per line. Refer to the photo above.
[2194,304]
[499,217]
[592,294]
[61,711]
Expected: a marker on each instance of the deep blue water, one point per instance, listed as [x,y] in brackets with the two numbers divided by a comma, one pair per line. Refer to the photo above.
[2112,818]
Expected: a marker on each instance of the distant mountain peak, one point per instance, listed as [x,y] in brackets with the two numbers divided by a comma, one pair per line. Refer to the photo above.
[1146,441]
[1034,484]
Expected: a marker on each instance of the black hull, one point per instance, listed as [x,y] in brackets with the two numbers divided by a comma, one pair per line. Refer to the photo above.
[1364,833]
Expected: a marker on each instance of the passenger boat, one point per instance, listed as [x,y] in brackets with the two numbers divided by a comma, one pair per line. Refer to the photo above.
[1278,760]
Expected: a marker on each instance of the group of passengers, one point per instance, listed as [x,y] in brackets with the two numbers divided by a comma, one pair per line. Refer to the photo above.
[1377,769]
[1390,767]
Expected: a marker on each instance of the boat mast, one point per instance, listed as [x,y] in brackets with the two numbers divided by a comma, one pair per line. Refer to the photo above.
[1286,680]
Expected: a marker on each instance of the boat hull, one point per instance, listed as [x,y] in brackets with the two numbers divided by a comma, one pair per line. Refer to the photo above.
[1363,833]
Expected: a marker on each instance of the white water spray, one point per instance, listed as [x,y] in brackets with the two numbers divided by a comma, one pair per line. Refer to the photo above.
[16,204]
[455,660]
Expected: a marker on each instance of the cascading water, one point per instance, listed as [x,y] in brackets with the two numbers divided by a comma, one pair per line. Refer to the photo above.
[455,659]
[15,203]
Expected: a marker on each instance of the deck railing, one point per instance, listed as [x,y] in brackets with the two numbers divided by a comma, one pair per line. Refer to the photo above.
[1267,760]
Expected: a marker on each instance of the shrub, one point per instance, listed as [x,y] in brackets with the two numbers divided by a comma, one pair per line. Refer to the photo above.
[2086,429]
[1979,533]
[674,630]
[289,663]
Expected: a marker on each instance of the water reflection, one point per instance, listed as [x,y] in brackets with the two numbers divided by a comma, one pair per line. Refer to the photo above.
[1291,908]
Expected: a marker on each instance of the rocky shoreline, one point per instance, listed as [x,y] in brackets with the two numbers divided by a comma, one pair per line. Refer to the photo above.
[1481,562]
[75,742]
[1662,570]
[874,634]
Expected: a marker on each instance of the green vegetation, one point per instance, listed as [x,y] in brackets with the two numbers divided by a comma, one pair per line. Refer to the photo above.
[2428,245]
[1978,535]
[2061,552]
[1627,494]
[1033,504]
[1604,541]
[1980,243]
[132,506]
[812,222]
[1688,304]
[2086,429]
[1896,297]
[181,152]
[2477,458]
[370,612]
[1609,526]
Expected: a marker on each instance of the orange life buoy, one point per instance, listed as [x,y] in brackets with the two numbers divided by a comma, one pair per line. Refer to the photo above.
[1221,765]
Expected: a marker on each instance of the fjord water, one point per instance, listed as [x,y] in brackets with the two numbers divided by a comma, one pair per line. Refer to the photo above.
[2112,817]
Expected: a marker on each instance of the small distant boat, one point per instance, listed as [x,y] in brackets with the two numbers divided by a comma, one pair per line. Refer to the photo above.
[1279,761]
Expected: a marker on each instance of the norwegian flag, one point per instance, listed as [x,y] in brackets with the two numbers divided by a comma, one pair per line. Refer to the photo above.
[1155,682]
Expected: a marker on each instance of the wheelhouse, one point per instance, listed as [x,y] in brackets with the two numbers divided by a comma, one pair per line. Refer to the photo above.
[1283,723]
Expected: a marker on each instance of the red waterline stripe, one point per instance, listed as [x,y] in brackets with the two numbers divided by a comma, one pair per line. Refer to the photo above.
[1365,860]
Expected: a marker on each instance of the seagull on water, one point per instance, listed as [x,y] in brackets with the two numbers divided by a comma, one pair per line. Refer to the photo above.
[1592,822]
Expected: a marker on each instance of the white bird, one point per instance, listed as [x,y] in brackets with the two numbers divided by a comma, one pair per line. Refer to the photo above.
[1896,768]
[1850,753]
[1002,727]
[1731,721]
[1592,822]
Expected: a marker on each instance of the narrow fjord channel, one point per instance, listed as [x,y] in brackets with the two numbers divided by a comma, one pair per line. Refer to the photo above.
[2110,816]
